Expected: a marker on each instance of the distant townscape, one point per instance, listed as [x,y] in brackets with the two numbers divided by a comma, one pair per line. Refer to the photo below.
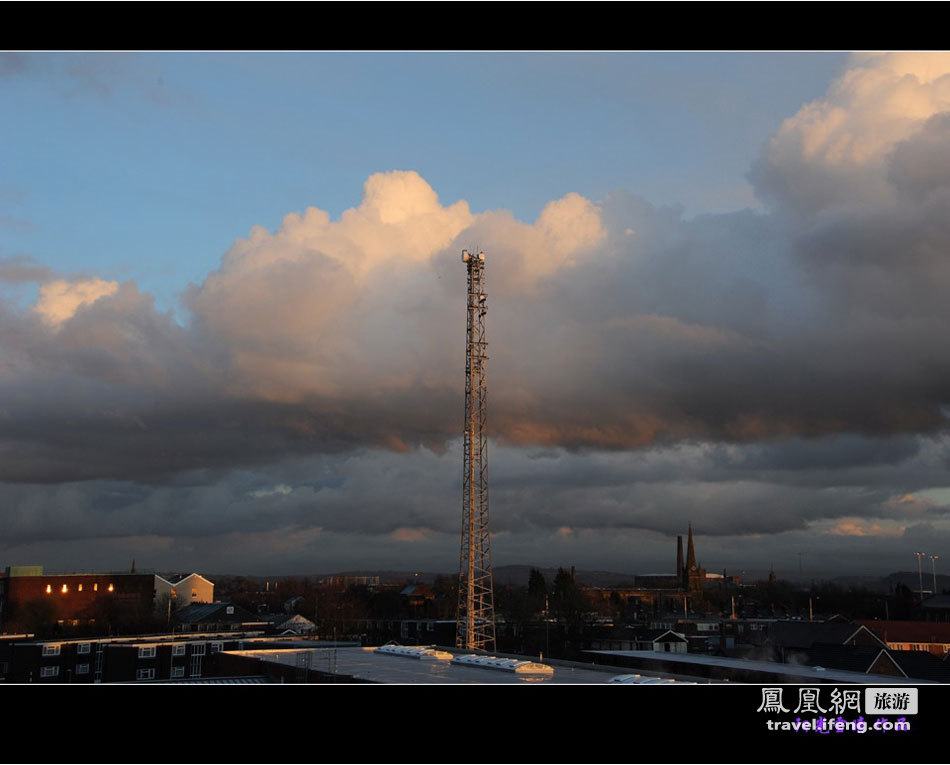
[551,625]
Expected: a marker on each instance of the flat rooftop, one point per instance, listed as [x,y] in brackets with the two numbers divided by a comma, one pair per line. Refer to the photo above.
[365,664]
[795,673]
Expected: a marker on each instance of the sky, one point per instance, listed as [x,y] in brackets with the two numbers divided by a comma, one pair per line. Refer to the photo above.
[232,308]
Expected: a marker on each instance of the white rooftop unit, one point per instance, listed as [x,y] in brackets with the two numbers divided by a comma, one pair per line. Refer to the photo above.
[644,680]
[424,653]
[505,665]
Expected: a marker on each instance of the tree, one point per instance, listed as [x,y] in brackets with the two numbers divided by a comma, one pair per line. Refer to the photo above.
[567,600]
[537,590]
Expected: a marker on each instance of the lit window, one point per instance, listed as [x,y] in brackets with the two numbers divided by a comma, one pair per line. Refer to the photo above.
[65,589]
[111,588]
[95,587]
[49,589]
[80,587]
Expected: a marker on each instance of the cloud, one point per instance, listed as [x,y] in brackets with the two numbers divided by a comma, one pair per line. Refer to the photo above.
[858,527]
[757,373]
[21,269]
[59,299]
[834,150]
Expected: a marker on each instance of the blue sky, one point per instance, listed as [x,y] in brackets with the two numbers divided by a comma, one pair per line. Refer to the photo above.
[147,166]
[231,326]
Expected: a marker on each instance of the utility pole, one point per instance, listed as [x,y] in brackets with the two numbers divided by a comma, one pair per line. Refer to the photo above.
[933,569]
[475,622]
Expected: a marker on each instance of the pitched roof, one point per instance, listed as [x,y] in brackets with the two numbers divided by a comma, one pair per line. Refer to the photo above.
[654,635]
[282,620]
[851,658]
[919,665]
[178,578]
[806,634]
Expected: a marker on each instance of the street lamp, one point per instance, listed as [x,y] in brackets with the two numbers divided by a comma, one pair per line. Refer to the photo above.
[920,576]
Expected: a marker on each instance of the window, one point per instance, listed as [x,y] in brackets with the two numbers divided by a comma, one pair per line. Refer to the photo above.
[198,649]
[178,650]
[145,674]
[196,665]
[51,650]
[111,588]
[215,647]
[80,587]
[82,669]
[65,589]
[194,593]
[83,648]
[49,589]
[178,671]
[49,671]
[147,652]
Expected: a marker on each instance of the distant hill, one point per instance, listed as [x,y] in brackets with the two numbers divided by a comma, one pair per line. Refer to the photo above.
[912,580]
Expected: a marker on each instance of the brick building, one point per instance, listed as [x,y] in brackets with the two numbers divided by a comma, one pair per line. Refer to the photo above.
[74,599]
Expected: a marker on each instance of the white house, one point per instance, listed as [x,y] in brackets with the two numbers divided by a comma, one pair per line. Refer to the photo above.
[183,590]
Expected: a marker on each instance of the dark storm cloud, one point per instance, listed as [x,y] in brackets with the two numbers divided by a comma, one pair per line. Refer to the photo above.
[658,329]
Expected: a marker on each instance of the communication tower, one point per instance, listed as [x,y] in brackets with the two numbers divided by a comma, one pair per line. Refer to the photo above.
[475,626]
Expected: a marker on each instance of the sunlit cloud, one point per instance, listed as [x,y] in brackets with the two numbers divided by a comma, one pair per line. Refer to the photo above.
[59,299]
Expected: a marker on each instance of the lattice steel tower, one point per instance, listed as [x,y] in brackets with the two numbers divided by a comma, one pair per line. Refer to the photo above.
[475,626]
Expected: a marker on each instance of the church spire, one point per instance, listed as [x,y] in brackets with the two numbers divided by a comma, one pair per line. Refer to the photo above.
[690,552]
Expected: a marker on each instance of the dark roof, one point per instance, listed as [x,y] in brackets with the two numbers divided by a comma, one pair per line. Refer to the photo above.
[807,634]
[922,665]
[851,658]
[936,601]
[214,612]
[417,590]
[919,665]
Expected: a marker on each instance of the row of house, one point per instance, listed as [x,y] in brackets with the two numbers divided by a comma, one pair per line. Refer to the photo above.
[162,658]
